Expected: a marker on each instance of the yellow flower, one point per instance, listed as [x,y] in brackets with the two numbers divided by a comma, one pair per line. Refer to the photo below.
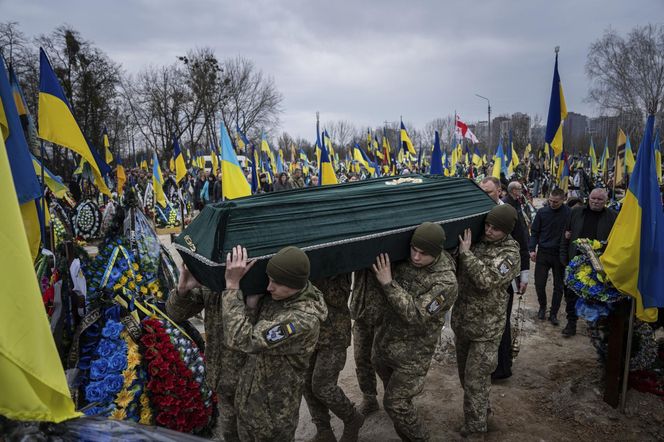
[139,278]
[133,358]
[132,285]
[146,417]
[117,287]
[123,280]
[124,398]
[119,414]
[135,266]
[159,294]
[144,290]
[129,375]
[596,244]
[145,402]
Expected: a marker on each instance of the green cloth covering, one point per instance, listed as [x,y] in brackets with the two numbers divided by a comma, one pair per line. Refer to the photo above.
[341,227]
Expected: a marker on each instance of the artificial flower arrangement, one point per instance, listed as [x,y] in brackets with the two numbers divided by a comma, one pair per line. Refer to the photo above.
[584,275]
[168,216]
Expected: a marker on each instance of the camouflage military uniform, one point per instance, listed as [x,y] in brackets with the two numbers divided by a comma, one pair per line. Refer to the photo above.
[321,390]
[279,347]
[405,342]
[222,364]
[478,320]
[367,307]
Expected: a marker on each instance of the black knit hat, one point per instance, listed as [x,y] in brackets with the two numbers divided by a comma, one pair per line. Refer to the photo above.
[290,267]
[502,217]
[429,238]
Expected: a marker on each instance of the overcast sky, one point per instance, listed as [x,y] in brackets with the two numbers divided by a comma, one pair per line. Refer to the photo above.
[364,61]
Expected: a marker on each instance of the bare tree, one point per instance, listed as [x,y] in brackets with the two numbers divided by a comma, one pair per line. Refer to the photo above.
[445,128]
[627,74]
[251,100]
[341,132]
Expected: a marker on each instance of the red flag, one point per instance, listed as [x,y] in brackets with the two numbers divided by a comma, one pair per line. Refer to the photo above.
[462,131]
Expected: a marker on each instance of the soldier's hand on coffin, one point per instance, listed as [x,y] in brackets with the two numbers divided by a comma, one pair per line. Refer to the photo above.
[382,269]
[187,281]
[466,241]
[237,265]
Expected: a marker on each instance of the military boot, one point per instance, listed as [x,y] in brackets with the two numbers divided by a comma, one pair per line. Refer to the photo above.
[324,435]
[369,405]
[553,319]
[352,427]
[541,314]
[570,329]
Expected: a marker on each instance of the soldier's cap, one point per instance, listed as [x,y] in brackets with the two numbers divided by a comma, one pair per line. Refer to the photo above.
[289,267]
[503,217]
[429,238]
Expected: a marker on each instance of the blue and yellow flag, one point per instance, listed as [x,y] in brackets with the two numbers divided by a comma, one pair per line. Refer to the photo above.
[34,387]
[214,158]
[362,159]
[54,183]
[557,114]
[629,157]
[241,139]
[563,170]
[436,156]
[477,158]
[255,184]
[27,186]
[158,182]
[58,125]
[498,161]
[327,175]
[180,167]
[594,167]
[107,147]
[406,143]
[634,256]
[233,182]
[121,177]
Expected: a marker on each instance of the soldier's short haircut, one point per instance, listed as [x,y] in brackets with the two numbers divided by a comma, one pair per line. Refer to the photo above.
[558,193]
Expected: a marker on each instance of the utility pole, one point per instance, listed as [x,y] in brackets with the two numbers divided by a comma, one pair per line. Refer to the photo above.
[488,143]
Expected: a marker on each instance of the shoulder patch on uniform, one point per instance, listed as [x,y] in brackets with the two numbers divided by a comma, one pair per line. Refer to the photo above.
[279,332]
[435,305]
[505,266]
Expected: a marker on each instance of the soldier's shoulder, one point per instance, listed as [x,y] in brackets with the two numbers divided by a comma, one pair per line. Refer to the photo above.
[510,245]
[444,263]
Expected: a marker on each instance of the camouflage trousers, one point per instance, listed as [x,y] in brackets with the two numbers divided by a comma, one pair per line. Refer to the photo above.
[231,362]
[363,338]
[321,390]
[401,386]
[476,361]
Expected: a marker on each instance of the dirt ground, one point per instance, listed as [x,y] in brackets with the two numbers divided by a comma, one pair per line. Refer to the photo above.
[555,393]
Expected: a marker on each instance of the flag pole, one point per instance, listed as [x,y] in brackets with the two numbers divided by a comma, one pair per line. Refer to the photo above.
[43,198]
[615,172]
[628,351]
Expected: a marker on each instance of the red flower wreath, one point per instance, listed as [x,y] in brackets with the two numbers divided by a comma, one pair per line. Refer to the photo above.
[175,395]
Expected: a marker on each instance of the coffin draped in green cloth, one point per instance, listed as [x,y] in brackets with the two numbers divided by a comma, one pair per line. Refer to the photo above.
[341,227]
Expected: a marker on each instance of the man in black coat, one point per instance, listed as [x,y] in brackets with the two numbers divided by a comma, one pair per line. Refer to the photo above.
[593,221]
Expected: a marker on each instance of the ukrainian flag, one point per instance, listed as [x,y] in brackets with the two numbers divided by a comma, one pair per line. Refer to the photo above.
[58,125]
[34,387]
[634,256]
[327,175]
[477,159]
[594,167]
[255,183]
[107,147]
[436,156]
[564,172]
[158,182]
[234,184]
[214,159]
[242,141]
[362,159]
[406,143]
[629,157]
[557,114]
[498,161]
[28,189]
[54,183]
[180,167]
[121,177]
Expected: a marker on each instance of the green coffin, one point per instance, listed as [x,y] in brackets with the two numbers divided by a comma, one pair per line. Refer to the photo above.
[342,227]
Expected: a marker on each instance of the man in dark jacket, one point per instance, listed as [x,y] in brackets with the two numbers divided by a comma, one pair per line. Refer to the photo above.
[593,221]
[544,246]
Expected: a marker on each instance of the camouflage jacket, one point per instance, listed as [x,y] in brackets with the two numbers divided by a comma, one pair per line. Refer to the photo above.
[418,298]
[367,303]
[279,346]
[335,330]
[220,360]
[484,274]
[298,183]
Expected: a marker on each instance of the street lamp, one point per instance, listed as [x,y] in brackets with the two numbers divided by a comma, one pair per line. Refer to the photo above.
[488,143]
